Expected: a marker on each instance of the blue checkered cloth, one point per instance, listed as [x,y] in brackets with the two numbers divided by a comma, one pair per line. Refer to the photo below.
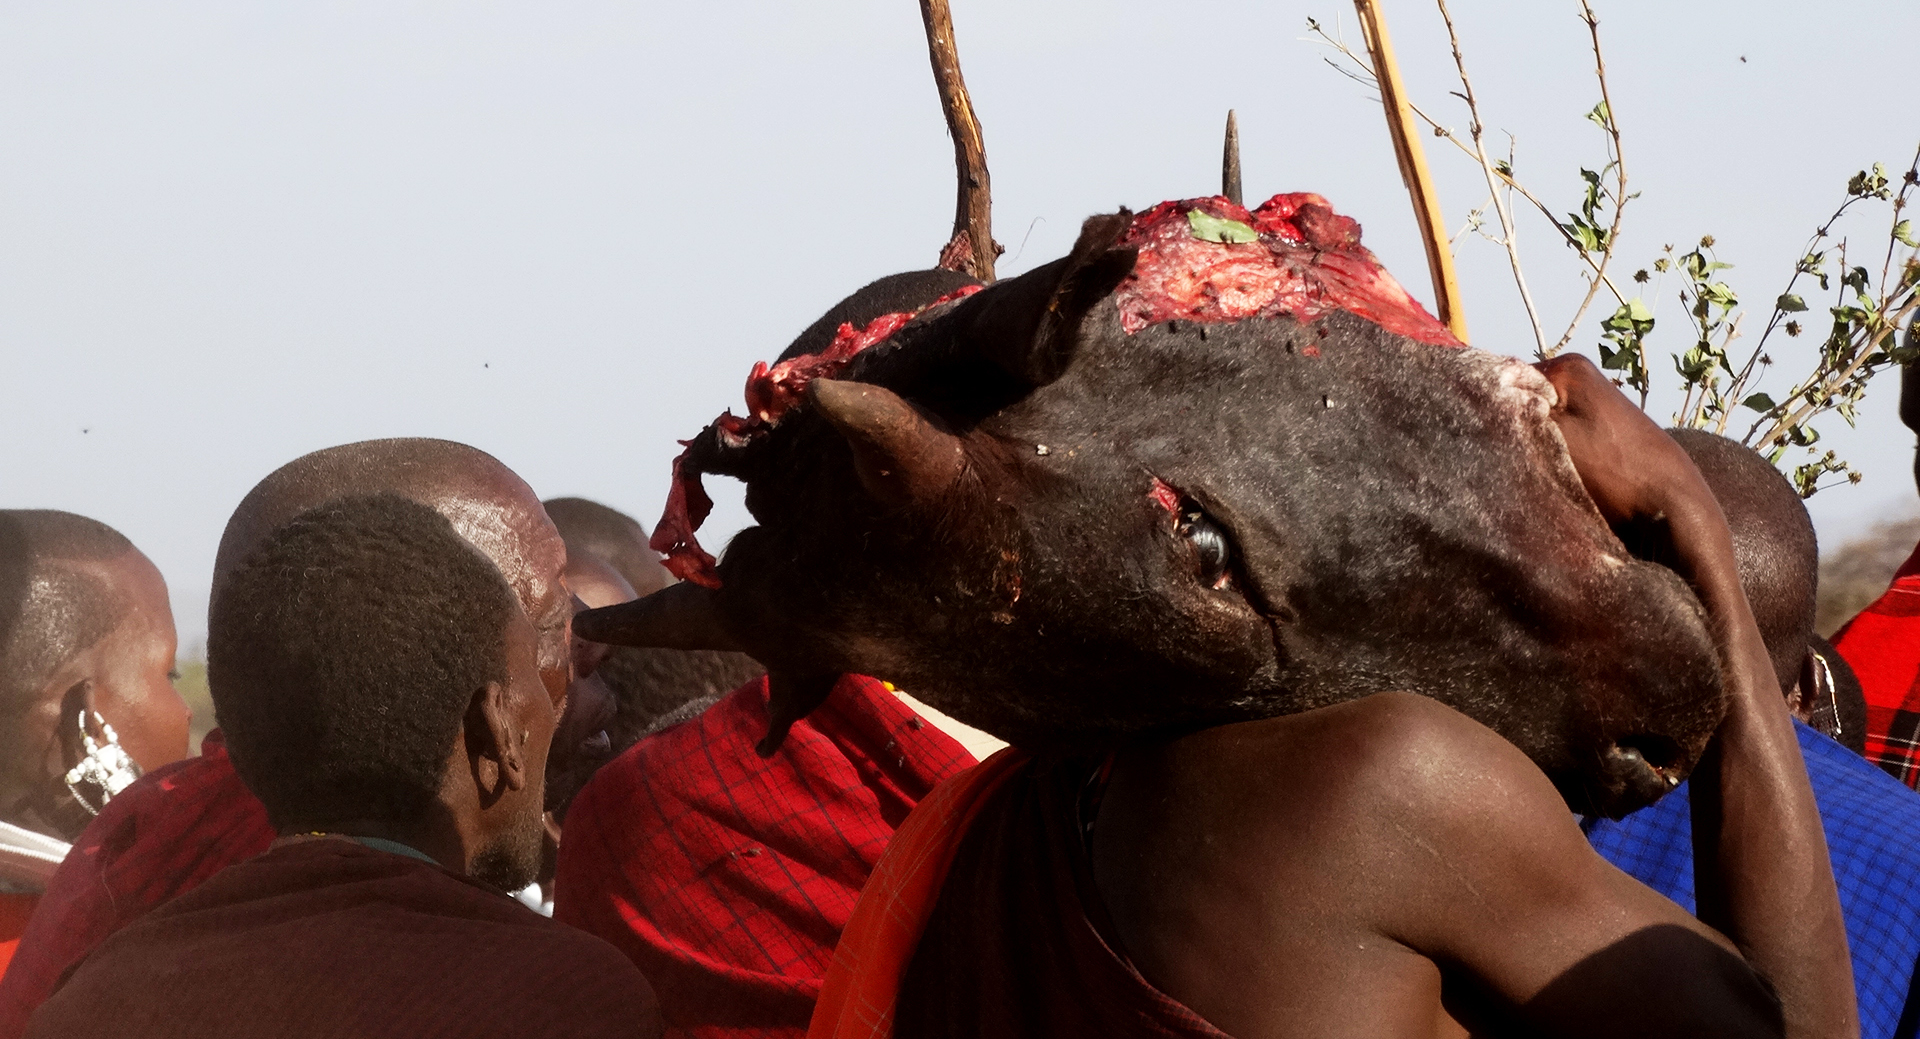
[1873,834]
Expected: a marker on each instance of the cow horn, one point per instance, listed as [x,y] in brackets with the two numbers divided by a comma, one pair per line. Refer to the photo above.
[1230,162]
[679,616]
[900,455]
[1027,325]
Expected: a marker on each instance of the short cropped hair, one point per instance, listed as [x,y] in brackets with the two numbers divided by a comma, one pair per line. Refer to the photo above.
[1773,543]
[343,653]
[609,535]
[51,609]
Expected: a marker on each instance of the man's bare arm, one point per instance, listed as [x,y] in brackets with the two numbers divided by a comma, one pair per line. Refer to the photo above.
[1762,872]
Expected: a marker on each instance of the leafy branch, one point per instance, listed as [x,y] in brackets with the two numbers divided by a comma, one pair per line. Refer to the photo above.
[1509,231]
[1715,380]
[1604,189]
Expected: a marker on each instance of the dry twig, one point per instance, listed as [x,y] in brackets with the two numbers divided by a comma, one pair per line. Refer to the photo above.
[1509,234]
[973,213]
[1620,196]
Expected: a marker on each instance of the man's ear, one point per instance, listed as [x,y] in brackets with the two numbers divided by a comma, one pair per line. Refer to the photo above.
[496,746]
[1808,690]
[76,708]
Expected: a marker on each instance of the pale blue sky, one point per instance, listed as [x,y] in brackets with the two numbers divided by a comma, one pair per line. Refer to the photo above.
[231,233]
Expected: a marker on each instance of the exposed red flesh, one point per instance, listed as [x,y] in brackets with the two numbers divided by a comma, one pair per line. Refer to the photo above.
[771,392]
[687,508]
[1308,261]
[1165,497]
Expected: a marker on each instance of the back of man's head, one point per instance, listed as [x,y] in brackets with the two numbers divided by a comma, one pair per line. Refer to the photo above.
[1773,543]
[464,483]
[54,599]
[343,653]
[611,536]
[489,505]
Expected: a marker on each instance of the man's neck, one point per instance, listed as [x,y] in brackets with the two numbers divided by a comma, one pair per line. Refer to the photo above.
[413,841]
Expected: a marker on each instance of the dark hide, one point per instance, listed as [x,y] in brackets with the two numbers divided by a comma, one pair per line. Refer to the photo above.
[1395,516]
[894,294]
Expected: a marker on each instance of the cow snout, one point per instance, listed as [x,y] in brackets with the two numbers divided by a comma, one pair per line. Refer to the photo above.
[1641,769]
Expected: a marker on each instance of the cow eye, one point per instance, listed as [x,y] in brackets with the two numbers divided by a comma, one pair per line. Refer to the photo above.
[1210,548]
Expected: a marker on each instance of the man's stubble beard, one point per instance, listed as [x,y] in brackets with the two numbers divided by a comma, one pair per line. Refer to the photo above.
[512,860]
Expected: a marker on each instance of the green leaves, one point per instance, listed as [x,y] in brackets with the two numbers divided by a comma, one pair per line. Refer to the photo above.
[1868,311]
[1865,184]
[1806,478]
[1625,345]
[1587,228]
[1210,228]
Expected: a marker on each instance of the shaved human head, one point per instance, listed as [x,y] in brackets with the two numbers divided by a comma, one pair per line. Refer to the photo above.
[489,505]
[1773,542]
[611,536]
[54,598]
[87,644]
[480,496]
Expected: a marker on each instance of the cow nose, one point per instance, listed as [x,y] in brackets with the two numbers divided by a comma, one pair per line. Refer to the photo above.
[1644,766]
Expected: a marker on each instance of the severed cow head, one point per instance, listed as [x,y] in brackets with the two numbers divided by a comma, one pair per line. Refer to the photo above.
[1212,466]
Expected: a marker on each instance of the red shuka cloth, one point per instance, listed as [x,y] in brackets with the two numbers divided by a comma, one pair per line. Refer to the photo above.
[15,910]
[164,835]
[1017,944]
[327,939]
[862,986]
[727,878]
[1882,645]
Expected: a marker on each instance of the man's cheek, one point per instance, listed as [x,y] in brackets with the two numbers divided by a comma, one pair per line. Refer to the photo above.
[556,670]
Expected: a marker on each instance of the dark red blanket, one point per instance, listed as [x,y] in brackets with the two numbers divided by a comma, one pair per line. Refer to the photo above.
[163,835]
[727,878]
[326,938]
[1882,645]
[1017,946]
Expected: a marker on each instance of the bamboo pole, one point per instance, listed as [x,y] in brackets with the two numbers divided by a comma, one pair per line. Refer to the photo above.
[1413,167]
[973,212]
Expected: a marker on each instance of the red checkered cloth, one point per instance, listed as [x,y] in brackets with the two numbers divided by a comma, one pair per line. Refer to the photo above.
[1882,645]
[160,837]
[727,878]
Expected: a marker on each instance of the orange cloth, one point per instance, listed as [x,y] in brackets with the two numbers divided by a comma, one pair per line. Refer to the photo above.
[857,998]
[14,913]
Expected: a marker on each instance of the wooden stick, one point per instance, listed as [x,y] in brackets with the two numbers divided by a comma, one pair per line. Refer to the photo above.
[1230,162]
[1413,167]
[973,213]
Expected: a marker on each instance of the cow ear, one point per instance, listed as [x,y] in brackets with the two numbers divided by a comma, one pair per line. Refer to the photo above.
[1027,325]
[901,456]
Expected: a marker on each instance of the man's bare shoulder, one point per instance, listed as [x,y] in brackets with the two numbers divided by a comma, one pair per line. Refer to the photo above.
[1397,753]
[1394,806]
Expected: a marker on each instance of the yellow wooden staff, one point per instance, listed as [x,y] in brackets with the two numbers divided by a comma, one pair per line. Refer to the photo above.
[1413,167]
